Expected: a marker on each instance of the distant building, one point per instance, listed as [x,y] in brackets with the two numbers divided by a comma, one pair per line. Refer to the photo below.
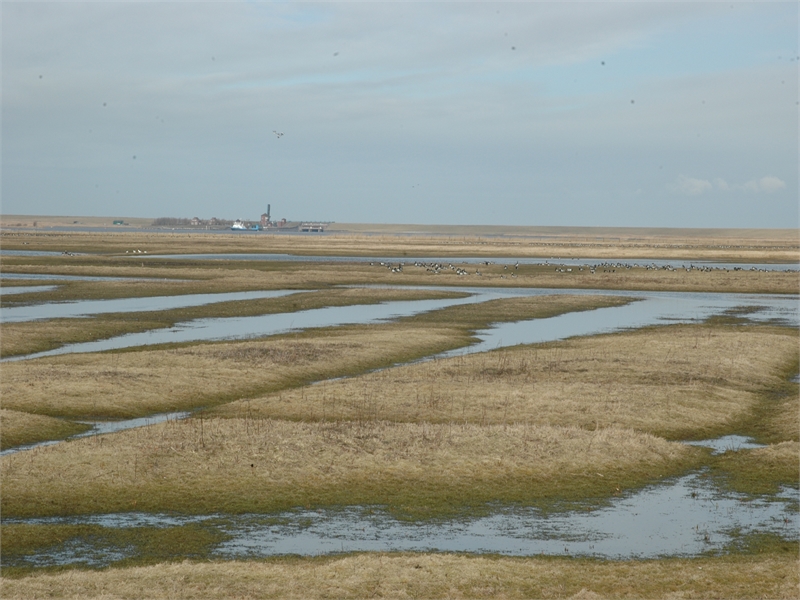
[196,221]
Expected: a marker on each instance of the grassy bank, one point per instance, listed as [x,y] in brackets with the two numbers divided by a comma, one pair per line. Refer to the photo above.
[774,575]
[760,470]
[18,428]
[679,382]
[208,466]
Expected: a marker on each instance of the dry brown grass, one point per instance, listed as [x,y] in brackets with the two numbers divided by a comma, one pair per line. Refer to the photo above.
[782,421]
[682,381]
[428,576]
[129,384]
[18,428]
[206,466]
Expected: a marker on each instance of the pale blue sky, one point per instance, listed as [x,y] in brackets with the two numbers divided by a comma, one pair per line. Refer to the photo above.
[610,114]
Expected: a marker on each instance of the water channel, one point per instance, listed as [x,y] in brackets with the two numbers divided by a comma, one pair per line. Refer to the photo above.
[59,277]
[83,308]
[650,308]
[25,289]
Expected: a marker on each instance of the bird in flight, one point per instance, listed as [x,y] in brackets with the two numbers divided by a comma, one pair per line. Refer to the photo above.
[277,133]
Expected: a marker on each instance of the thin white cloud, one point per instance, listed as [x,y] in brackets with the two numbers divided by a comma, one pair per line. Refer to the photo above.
[691,186]
[768,184]
[722,184]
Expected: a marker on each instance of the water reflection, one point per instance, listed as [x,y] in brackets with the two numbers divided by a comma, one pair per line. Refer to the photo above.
[82,308]
[652,308]
[682,517]
[4,252]
[727,443]
[24,289]
[655,308]
[58,277]
[259,325]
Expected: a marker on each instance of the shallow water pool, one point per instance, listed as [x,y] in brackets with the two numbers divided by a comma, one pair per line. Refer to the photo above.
[685,516]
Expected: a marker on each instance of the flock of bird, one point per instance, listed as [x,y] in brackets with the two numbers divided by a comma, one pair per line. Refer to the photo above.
[605,267]
[437,267]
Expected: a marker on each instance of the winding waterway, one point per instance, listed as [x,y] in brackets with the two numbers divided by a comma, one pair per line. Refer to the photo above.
[650,308]
[83,308]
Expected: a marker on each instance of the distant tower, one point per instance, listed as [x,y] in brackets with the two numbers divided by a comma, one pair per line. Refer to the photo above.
[265,222]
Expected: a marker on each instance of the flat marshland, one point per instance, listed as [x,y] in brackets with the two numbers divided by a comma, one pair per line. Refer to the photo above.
[109,255]
[579,418]
[146,381]
[342,416]
[774,245]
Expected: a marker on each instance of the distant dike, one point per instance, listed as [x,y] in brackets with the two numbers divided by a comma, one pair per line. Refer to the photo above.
[533,231]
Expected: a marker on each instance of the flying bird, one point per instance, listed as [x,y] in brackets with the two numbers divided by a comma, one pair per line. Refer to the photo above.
[277,133]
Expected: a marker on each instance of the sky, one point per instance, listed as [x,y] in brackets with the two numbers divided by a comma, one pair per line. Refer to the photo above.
[629,114]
